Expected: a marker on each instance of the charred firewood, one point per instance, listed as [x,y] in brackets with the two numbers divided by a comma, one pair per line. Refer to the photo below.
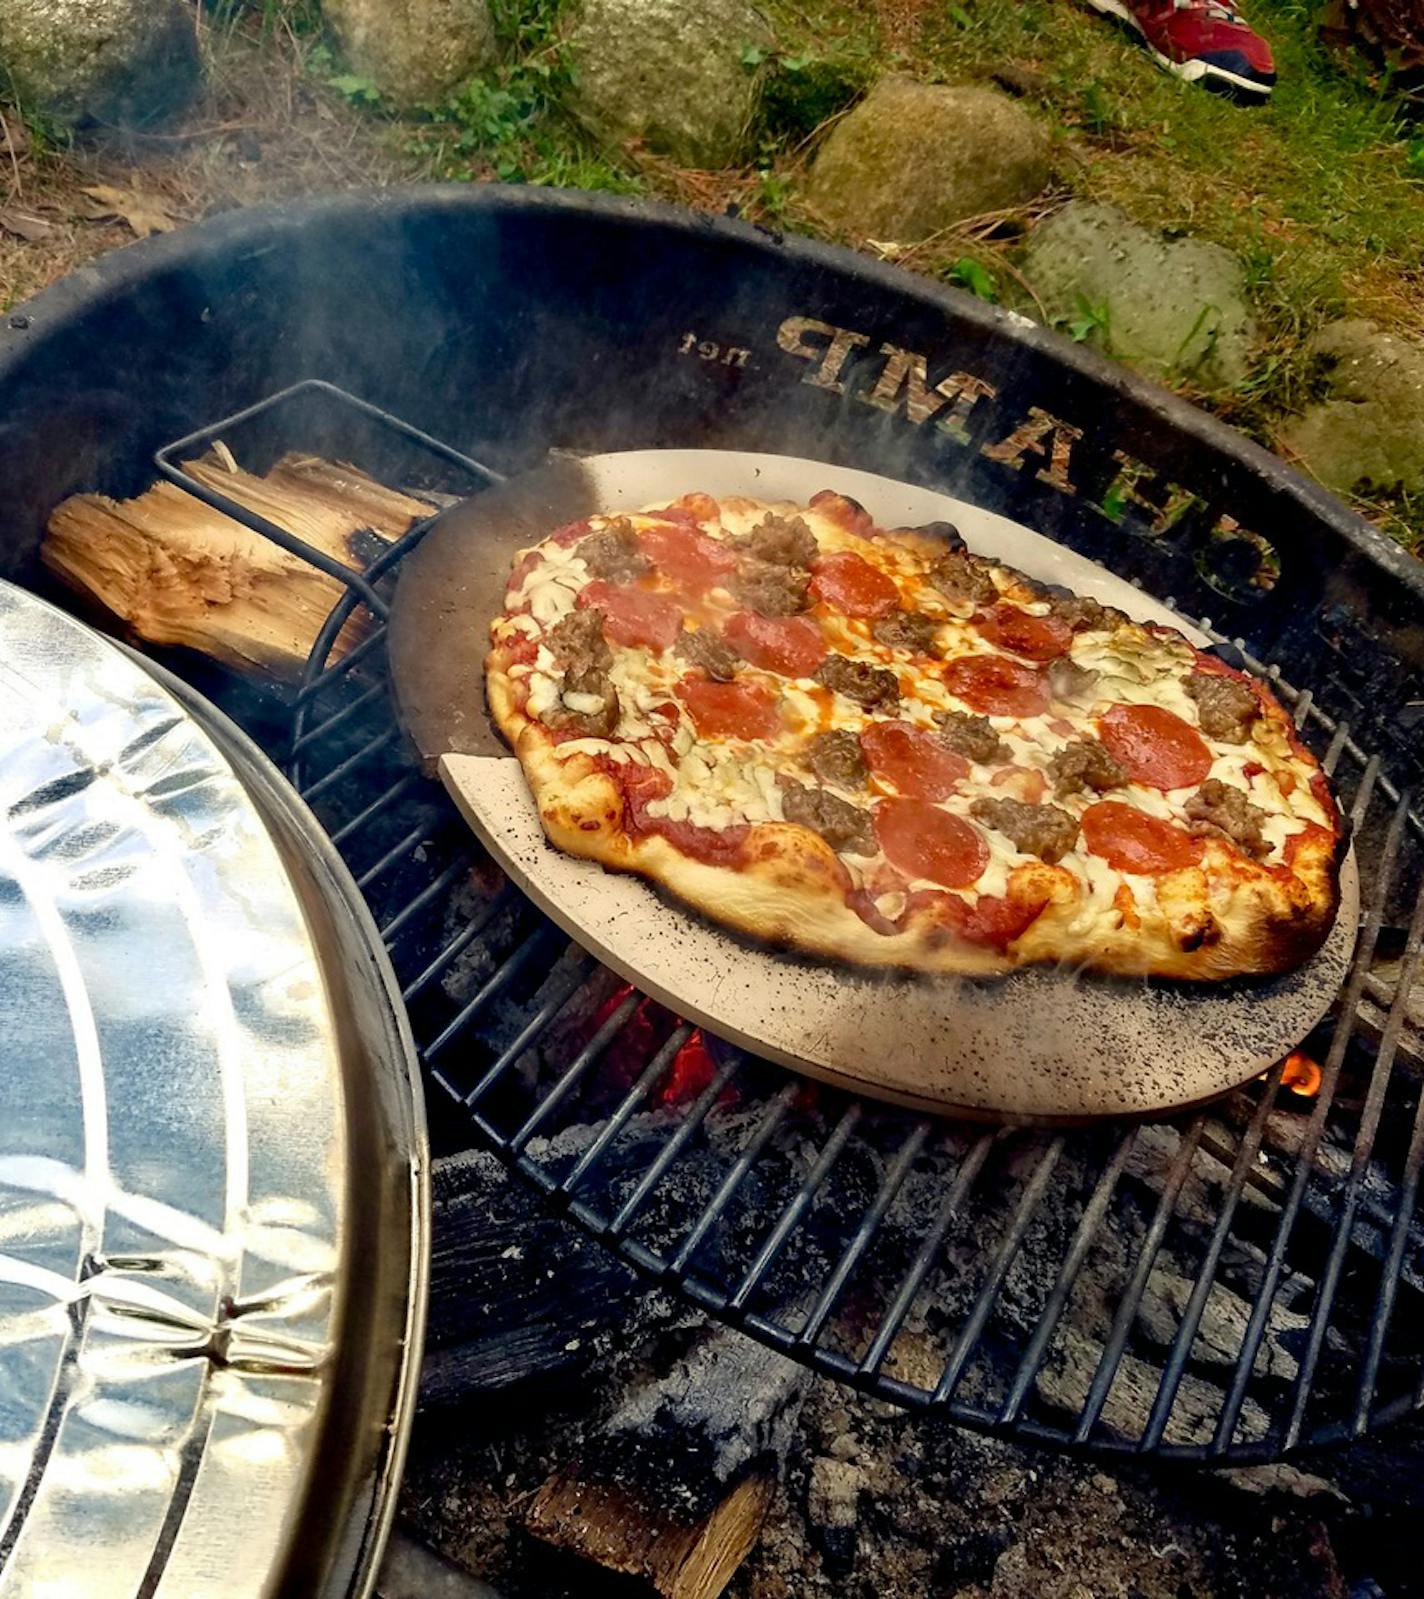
[515,1294]
[675,1487]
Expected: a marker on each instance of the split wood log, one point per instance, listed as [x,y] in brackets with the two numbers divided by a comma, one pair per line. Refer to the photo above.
[674,1489]
[673,1558]
[178,572]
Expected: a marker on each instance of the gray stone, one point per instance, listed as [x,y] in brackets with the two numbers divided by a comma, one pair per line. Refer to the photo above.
[913,158]
[1367,435]
[668,72]
[123,63]
[1172,308]
[414,51]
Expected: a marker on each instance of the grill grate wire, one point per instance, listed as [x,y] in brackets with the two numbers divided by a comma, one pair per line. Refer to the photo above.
[858,1282]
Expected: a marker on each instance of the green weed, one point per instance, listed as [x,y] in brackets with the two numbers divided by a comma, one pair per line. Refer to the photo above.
[969,273]
[1088,319]
[510,123]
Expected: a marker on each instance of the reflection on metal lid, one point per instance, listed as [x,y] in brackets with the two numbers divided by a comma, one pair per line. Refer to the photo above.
[172,1143]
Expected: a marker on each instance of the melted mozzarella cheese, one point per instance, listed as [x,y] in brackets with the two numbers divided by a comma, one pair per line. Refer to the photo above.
[551,585]
[720,786]
[584,704]
[622,753]
[543,695]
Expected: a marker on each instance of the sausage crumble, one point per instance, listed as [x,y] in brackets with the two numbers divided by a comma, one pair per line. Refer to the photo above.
[772,590]
[906,630]
[971,736]
[837,758]
[1218,809]
[867,685]
[578,641]
[613,553]
[842,825]
[1084,764]
[1041,830]
[1226,707]
[781,540]
[961,577]
[708,649]
[1084,614]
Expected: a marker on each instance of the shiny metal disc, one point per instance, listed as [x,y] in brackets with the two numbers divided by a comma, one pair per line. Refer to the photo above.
[179,1225]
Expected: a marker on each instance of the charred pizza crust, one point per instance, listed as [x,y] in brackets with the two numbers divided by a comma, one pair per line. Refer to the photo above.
[1234,904]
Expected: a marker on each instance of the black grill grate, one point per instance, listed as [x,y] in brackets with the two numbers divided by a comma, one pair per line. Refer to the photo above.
[1224,1286]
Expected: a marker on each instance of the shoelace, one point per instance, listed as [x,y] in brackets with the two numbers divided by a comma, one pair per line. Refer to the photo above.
[1218,13]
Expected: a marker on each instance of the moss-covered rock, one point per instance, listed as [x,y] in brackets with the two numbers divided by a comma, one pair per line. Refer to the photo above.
[913,158]
[413,51]
[1367,435]
[1175,309]
[123,63]
[672,73]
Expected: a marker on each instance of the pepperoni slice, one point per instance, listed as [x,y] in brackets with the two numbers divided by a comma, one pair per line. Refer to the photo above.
[1130,840]
[1041,638]
[740,709]
[924,841]
[791,645]
[685,555]
[996,687]
[918,764]
[634,616]
[852,585]
[1156,747]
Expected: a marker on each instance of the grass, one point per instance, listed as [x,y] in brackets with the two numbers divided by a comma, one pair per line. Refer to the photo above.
[1320,192]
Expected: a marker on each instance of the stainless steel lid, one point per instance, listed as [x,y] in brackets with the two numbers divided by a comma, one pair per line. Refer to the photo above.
[212,1206]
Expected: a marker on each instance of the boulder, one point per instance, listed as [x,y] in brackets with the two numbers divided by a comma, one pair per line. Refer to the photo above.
[913,158]
[1367,435]
[672,73]
[121,63]
[1175,309]
[414,51]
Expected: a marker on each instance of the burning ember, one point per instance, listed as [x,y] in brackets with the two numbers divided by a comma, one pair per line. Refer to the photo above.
[1301,1074]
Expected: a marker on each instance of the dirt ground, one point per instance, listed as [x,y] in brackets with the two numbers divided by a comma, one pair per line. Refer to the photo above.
[262,131]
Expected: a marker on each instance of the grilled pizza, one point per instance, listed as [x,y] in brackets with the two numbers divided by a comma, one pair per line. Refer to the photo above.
[878,747]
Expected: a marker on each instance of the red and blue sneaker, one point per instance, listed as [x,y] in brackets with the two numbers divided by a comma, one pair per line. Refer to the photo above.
[1201,41]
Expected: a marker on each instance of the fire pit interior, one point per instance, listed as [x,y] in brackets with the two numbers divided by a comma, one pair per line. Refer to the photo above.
[1228,1285]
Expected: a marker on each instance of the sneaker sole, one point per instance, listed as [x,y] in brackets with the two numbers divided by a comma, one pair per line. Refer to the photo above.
[1203,72]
